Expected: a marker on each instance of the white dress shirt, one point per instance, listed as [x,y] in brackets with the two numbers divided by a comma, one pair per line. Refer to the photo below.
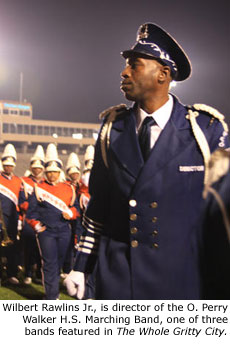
[161,117]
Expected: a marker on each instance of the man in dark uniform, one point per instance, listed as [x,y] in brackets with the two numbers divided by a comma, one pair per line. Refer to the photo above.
[142,221]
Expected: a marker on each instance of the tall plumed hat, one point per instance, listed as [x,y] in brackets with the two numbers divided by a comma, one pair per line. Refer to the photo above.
[9,155]
[38,159]
[153,42]
[73,164]
[89,157]
[52,162]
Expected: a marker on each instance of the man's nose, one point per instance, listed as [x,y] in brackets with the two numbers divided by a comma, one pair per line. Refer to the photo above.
[126,72]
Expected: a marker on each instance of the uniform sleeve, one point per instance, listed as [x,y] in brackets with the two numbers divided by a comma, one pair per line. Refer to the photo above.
[95,215]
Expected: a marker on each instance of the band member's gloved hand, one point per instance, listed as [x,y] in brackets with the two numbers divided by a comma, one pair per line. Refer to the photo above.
[39,228]
[75,284]
[84,199]
[66,215]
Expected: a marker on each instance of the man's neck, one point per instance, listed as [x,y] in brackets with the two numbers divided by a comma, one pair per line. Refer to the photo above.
[37,178]
[151,105]
[7,175]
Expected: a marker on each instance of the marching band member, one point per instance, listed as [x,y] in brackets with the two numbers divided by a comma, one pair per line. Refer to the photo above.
[84,182]
[73,169]
[31,252]
[73,174]
[10,186]
[84,197]
[51,208]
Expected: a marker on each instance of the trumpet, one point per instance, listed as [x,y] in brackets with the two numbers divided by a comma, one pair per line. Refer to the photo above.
[6,241]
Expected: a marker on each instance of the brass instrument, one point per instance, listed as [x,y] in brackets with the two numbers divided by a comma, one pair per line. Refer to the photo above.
[6,240]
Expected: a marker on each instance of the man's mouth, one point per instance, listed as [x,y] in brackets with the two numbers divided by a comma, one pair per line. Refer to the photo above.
[125,85]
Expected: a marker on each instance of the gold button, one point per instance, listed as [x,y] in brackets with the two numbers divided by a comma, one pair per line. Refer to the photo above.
[155,245]
[133,216]
[134,244]
[155,232]
[154,219]
[133,231]
[132,203]
[154,204]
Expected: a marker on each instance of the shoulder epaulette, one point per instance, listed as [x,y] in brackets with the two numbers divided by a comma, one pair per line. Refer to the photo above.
[193,112]
[112,111]
[213,112]
[206,108]
[110,114]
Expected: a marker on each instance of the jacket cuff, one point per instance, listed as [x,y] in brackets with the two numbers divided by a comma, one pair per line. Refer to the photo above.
[85,263]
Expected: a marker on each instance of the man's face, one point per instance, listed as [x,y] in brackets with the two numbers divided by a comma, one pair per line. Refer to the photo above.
[140,78]
[36,171]
[52,176]
[75,177]
[8,169]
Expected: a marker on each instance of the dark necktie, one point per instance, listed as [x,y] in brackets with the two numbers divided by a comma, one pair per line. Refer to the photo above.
[145,135]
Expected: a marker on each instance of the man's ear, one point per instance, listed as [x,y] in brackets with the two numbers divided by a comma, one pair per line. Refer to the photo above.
[164,74]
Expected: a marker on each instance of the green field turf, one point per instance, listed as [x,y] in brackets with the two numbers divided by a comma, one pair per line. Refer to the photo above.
[26,292]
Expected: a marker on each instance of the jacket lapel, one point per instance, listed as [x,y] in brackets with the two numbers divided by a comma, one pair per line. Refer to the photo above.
[124,144]
[175,138]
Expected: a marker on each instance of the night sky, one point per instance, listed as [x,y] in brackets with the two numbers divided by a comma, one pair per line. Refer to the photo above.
[69,52]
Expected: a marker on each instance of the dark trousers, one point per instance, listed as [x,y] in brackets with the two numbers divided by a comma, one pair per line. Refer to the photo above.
[11,251]
[53,248]
[31,251]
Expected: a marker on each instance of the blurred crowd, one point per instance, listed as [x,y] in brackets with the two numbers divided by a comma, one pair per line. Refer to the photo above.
[40,216]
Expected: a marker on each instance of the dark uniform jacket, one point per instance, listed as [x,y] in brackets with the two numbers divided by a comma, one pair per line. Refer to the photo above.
[142,219]
[48,202]
[10,196]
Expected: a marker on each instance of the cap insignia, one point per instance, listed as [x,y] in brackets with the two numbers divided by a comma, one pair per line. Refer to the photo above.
[143,32]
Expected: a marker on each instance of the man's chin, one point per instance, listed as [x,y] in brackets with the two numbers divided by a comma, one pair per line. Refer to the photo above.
[128,96]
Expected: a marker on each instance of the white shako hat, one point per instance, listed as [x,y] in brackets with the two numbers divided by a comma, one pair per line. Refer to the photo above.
[73,164]
[9,155]
[89,157]
[38,159]
[52,162]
